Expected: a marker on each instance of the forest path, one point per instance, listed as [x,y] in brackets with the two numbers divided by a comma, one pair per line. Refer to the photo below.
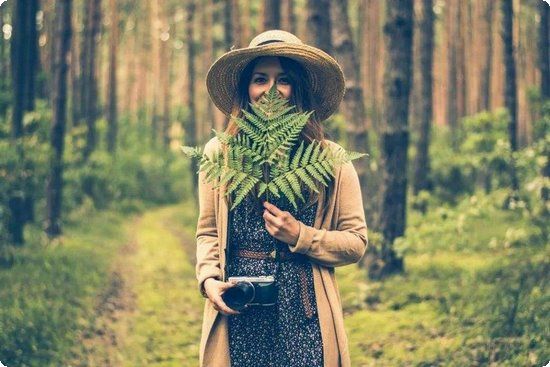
[150,311]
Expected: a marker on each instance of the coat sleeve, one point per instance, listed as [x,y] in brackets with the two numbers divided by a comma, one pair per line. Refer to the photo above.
[208,262]
[347,243]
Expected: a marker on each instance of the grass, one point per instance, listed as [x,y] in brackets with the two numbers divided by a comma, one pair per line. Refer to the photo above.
[464,267]
[165,326]
[48,291]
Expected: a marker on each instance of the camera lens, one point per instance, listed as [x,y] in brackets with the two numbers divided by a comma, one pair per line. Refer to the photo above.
[238,296]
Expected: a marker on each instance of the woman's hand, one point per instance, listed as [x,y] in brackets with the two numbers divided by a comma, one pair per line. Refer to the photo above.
[214,290]
[281,225]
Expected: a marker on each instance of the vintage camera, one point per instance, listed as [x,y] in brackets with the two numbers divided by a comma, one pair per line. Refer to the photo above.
[251,291]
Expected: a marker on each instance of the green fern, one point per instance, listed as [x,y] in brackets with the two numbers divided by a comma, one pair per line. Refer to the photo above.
[259,155]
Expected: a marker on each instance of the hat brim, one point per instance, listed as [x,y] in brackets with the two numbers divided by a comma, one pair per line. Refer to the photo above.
[325,75]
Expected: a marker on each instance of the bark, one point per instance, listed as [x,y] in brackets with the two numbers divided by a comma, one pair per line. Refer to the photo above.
[208,57]
[511,101]
[228,24]
[272,14]
[422,162]
[544,49]
[236,24]
[486,70]
[246,34]
[288,18]
[372,53]
[112,115]
[89,83]
[352,107]
[451,8]
[191,127]
[19,59]
[318,23]
[55,182]
[398,30]
[3,63]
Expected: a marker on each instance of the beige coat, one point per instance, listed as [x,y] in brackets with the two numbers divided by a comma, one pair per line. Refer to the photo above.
[339,238]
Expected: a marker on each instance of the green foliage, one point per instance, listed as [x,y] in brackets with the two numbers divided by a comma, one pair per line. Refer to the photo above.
[260,155]
[475,291]
[135,177]
[48,293]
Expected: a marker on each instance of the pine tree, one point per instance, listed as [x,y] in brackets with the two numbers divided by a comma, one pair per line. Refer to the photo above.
[259,155]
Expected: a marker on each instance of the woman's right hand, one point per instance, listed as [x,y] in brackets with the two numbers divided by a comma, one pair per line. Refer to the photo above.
[214,290]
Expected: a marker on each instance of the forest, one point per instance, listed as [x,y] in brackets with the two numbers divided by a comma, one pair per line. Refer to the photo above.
[450,99]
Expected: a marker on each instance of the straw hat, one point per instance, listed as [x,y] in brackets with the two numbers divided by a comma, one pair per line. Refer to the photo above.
[325,75]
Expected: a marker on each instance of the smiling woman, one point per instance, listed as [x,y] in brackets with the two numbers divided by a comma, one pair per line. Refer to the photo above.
[267,72]
[296,247]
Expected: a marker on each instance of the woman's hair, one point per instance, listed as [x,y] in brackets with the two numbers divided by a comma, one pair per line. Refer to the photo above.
[300,97]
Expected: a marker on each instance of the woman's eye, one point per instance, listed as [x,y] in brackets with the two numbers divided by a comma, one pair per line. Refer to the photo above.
[284,81]
[259,80]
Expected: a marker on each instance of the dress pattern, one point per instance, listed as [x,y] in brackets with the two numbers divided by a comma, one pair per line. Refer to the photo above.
[287,334]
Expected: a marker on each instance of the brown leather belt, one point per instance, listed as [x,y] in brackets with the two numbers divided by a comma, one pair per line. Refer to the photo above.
[274,255]
[285,256]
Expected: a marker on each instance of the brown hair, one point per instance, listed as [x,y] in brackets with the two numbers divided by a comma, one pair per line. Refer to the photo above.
[301,98]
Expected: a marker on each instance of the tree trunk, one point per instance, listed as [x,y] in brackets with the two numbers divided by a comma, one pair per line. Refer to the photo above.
[191,127]
[112,114]
[451,10]
[372,53]
[89,86]
[485,77]
[272,14]
[55,182]
[228,24]
[19,58]
[395,136]
[511,101]
[3,64]
[353,107]
[288,19]
[422,162]
[236,22]
[544,50]
[318,22]
[207,39]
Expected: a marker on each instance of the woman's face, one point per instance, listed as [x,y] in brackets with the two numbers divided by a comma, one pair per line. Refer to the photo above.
[268,71]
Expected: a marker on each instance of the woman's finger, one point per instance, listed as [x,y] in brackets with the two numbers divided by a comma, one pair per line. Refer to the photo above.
[270,218]
[273,209]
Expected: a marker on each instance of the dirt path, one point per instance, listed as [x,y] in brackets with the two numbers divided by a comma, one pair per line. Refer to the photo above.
[149,313]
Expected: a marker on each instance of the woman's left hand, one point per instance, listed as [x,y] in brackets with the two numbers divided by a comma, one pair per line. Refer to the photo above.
[281,224]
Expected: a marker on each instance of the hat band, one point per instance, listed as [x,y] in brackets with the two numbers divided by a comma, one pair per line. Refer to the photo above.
[268,42]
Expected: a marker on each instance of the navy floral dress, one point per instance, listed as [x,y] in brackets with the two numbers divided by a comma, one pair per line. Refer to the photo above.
[287,334]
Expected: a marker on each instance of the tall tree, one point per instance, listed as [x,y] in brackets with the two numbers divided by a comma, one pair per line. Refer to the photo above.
[422,160]
[318,22]
[24,57]
[544,49]
[191,128]
[55,182]
[371,50]
[24,60]
[3,64]
[511,99]
[112,114]
[272,14]
[353,107]
[398,30]
[288,17]
[451,24]
[486,70]
[88,82]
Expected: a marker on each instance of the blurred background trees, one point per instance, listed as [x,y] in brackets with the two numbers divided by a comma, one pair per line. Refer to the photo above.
[416,71]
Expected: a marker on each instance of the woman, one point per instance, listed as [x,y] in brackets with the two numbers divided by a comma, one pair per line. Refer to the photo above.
[305,327]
